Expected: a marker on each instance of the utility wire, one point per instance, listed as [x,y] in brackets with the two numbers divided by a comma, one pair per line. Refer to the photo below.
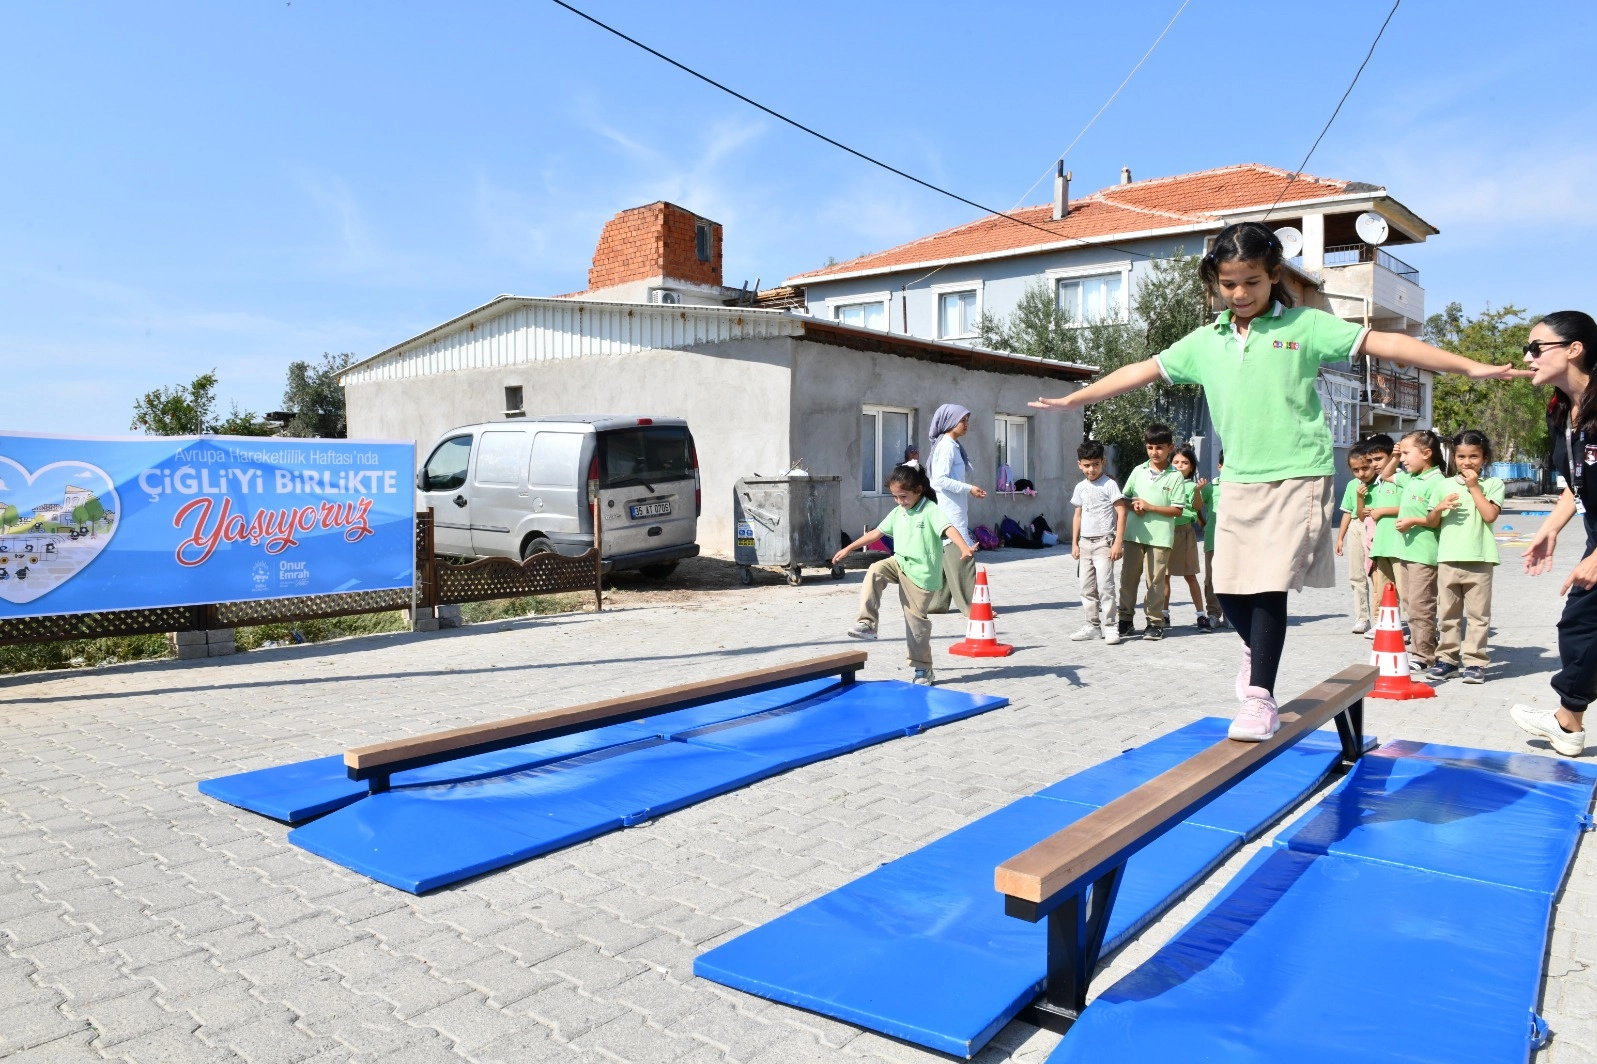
[822,136]
[1299,172]
[1109,101]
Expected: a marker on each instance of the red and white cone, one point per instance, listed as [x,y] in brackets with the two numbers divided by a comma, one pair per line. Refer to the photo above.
[1392,657]
[981,632]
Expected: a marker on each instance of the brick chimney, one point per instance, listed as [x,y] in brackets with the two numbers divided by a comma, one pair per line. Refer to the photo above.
[657,243]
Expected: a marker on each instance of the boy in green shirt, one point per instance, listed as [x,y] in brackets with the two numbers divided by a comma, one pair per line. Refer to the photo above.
[1418,515]
[1378,502]
[1350,538]
[917,526]
[1466,555]
[1157,494]
[1208,499]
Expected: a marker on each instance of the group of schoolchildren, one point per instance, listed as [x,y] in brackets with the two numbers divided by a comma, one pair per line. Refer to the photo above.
[1258,362]
[1429,535]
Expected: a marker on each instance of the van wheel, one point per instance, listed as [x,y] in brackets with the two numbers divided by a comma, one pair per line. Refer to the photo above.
[536,545]
[659,570]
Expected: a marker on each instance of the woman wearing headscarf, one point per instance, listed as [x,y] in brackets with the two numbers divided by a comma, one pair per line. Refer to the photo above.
[948,467]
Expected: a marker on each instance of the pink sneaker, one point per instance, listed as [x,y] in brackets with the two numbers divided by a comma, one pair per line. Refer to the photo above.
[1245,673]
[1256,721]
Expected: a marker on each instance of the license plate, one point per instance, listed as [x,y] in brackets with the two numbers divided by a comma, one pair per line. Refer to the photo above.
[649,509]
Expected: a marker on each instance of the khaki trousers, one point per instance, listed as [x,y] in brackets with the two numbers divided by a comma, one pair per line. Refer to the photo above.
[1384,573]
[911,596]
[1210,599]
[1419,595]
[1357,579]
[959,583]
[1464,592]
[1156,562]
[1096,574]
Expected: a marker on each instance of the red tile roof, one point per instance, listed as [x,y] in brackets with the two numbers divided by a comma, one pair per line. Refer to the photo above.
[1160,203]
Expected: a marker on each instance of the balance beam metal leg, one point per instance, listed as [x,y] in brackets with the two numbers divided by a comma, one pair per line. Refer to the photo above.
[1075,940]
[377,784]
[1350,729]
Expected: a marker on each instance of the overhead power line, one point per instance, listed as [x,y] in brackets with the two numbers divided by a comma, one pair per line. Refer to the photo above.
[1299,172]
[834,143]
[1110,100]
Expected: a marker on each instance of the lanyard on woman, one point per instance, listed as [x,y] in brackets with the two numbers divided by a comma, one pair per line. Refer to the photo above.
[1577,466]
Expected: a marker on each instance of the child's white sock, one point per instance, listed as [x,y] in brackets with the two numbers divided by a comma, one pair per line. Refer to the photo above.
[1201,615]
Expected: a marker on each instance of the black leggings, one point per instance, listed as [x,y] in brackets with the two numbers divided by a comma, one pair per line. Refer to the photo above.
[1261,622]
[1576,679]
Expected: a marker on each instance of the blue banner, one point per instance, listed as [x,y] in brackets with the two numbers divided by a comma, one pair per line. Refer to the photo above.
[143,521]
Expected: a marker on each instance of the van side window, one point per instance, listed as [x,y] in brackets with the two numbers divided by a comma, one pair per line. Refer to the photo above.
[446,466]
[555,456]
[500,457]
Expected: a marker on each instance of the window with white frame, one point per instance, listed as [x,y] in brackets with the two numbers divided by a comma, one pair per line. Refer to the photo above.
[1010,437]
[885,434]
[868,315]
[957,315]
[1100,297]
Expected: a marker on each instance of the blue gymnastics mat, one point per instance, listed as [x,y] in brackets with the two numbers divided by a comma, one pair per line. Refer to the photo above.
[1403,919]
[920,949]
[305,790]
[421,837]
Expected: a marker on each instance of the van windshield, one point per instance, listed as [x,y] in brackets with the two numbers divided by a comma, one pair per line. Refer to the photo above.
[644,455]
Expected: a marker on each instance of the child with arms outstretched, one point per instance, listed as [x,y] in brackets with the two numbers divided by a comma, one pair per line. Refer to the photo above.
[1258,363]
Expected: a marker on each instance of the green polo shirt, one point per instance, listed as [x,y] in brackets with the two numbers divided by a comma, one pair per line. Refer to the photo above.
[1210,497]
[1464,535]
[917,534]
[1156,489]
[1421,493]
[1189,498]
[1261,394]
[1388,544]
[1350,497]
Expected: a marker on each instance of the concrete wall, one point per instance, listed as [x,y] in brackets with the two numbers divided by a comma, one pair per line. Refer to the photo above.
[831,384]
[734,395]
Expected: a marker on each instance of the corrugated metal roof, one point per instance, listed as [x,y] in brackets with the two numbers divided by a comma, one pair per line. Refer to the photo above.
[513,330]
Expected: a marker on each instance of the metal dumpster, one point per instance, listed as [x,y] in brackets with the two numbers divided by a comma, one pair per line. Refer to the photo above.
[791,521]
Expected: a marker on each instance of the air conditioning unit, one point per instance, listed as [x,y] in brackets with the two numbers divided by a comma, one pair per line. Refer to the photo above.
[664,295]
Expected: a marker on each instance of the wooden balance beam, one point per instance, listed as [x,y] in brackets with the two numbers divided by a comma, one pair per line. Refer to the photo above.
[1071,878]
[377,762]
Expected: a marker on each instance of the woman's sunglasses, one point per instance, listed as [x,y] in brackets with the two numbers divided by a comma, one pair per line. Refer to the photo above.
[1535,348]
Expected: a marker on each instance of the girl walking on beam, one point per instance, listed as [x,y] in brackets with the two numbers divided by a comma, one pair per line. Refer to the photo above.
[1257,363]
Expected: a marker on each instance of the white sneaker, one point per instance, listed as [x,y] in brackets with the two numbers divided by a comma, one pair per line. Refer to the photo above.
[1545,724]
[1111,633]
[1257,720]
[1369,634]
[925,677]
[862,630]
[1361,628]
[1086,631]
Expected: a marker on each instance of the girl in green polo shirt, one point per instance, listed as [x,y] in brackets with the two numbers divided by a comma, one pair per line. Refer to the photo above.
[1419,514]
[1258,363]
[917,526]
[1466,555]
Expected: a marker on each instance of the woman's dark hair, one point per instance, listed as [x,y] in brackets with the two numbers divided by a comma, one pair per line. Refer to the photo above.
[913,478]
[1471,438]
[1575,326]
[1428,439]
[1244,242]
[1186,451]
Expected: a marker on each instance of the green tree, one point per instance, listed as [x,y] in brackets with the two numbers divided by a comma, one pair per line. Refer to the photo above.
[1169,303]
[9,516]
[188,410]
[316,399]
[93,509]
[1513,414]
[80,515]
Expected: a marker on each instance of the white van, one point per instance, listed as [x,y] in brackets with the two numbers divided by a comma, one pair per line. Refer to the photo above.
[510,489]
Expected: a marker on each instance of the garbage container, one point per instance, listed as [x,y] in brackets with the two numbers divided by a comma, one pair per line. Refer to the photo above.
[791,521]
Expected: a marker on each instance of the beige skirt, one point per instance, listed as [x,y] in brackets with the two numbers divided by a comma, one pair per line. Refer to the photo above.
[1184,552]
[1274,536]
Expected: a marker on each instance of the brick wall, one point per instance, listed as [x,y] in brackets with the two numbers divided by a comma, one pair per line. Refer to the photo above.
[654,241]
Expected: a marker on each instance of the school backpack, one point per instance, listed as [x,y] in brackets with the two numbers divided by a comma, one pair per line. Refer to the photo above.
[985,538]
[1015,536]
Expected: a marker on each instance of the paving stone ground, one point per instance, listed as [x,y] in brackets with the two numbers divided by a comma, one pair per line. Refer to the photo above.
[144,922]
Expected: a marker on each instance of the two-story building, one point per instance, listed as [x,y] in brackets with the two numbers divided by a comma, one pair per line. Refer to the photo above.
[1092,253]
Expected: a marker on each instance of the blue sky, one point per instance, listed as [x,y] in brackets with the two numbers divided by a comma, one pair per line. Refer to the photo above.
[189,186]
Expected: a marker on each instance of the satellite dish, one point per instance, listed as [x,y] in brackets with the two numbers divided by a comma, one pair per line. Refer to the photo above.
[1291,242]
[1372,228]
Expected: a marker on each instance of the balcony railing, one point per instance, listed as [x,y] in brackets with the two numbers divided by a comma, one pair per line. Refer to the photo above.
[1394,391]
[1350,254]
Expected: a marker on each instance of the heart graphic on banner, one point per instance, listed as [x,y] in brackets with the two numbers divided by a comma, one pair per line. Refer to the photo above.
[53,523]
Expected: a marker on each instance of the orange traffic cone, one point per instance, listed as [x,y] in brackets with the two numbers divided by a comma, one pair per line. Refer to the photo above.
[1390,654]
[981,633]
